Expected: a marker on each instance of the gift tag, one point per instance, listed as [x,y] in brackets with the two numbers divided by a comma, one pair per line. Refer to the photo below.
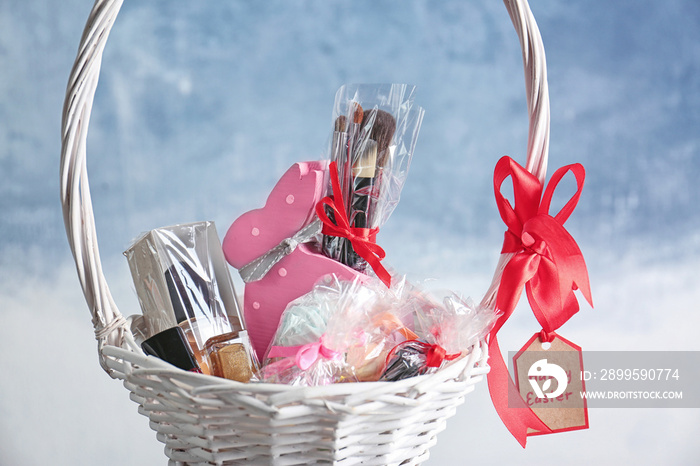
[548,377]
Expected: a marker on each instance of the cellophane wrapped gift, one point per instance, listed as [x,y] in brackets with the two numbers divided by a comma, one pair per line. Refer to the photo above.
[308,347]
[181,280]
[446,330]
[350,331]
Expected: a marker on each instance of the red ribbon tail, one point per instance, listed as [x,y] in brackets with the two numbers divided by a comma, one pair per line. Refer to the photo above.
[510,406]
[374,261]
[383,275]
[361,239]
[550,291]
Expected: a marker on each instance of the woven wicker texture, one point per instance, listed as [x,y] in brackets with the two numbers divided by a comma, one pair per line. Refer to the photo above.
[205,420]
[210,421]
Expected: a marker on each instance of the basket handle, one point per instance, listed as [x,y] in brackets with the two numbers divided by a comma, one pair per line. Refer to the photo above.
[536,87]
[78,216]
[110,326]
[537,92]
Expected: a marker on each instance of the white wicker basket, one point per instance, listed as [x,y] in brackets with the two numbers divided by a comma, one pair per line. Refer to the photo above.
[207,420]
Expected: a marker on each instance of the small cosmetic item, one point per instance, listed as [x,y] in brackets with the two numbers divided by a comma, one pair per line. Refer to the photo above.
[383,332]
[192,335]
[362,197]
[406,360]
[381,126]
[231,357]
[415,357]
[345,134]
[171,346]
[333,245]
[182,281]
[350,126]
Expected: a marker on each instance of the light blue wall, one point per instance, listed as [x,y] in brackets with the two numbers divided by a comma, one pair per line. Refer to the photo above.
[203,105]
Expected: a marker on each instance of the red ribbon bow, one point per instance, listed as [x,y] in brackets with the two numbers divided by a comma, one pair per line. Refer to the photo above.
[435,355]
[547,262]
[363,240]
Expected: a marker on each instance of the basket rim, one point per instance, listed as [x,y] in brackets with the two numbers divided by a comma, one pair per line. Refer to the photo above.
[141,364]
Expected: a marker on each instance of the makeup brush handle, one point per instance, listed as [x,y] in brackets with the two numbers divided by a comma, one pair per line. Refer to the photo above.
[360,217]
[334,246]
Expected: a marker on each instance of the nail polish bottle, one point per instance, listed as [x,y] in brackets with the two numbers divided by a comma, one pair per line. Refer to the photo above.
[192,336]
[231,356]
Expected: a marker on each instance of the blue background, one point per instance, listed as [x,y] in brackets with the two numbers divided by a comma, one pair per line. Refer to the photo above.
[203,105]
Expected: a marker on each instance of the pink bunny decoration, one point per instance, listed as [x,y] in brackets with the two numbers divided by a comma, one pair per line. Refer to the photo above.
[288,209]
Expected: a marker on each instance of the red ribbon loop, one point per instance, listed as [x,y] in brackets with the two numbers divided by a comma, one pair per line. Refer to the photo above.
[363,240]
[547,262]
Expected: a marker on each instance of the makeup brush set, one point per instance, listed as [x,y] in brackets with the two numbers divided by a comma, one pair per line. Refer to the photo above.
[371,150]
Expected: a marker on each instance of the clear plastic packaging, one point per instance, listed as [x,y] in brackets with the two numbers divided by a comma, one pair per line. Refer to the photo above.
[458,323]
[446,332]
[350,330]
[309,346]
[181,279]
[389,322]
[375,128]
